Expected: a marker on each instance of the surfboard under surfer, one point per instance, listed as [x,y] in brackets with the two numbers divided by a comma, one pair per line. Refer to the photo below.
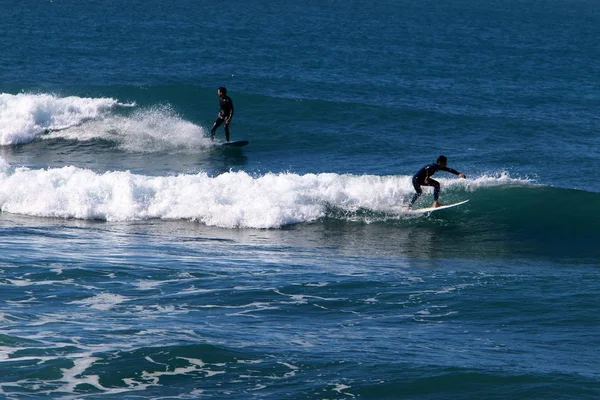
[423,178]
[225,113]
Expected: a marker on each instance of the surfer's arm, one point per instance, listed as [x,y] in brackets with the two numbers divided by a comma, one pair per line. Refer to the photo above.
[455,172]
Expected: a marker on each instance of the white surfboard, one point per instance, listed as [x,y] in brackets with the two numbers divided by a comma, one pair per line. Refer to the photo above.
[432,209]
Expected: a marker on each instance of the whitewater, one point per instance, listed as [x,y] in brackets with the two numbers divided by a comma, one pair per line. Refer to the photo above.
[232,199]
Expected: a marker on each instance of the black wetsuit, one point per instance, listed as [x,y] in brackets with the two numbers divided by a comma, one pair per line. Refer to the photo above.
[426,172]
[225,112]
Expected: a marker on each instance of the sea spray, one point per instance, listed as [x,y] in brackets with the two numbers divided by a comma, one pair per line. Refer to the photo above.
[24,117]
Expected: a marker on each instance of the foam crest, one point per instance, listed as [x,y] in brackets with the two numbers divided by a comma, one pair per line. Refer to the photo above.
[502,178]
[24,116]
[156,129]
[232,200]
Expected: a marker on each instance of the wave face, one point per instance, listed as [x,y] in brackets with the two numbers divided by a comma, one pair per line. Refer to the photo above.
[275,200]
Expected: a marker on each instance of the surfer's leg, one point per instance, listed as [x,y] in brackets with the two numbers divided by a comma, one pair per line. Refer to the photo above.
[418,191]
[217,124]
[436,191]
[414,198]
[227,131]
[436,188]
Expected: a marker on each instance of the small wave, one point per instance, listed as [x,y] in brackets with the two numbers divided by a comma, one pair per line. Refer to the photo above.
[24,117]
[150,130]
[27,117]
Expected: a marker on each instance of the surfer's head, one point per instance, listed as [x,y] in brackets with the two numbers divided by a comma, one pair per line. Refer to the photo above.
[222,91]
[442,160]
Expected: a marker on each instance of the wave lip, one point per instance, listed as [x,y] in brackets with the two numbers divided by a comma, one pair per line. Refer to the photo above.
[23,116]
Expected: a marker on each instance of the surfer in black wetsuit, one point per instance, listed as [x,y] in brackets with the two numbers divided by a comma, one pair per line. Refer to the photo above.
[422,178]
[225,113]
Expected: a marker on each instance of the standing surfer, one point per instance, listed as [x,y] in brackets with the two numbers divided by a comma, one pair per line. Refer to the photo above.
[225,113]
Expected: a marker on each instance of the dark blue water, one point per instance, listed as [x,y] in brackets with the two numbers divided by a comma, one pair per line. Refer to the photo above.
[139,259]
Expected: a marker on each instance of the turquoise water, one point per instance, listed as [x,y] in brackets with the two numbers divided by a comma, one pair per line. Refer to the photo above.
[142,260]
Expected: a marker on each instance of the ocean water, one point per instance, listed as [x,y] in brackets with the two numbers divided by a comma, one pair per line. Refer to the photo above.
[140,259]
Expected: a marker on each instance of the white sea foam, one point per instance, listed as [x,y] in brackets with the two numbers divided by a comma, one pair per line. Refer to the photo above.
[340,387]
[156,129]
[6,351]
[23,116]
[232,200]
[102,301]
